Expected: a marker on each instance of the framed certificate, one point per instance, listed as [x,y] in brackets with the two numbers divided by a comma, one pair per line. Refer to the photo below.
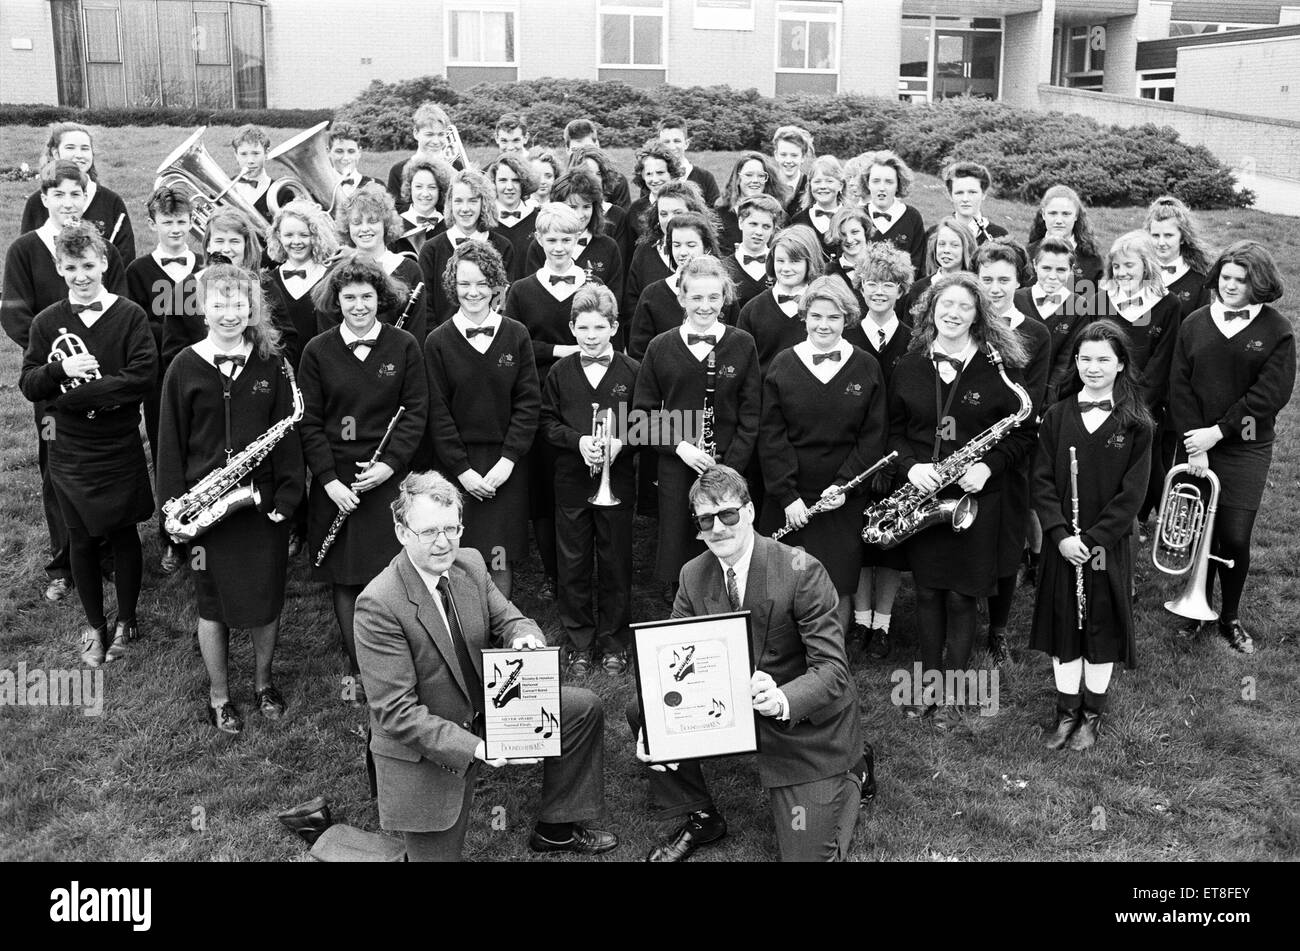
[692,678]
[521,703]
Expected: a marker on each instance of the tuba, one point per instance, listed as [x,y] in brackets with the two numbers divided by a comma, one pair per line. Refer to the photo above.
[311,174]
[601,431]
[65,345]
[1182,540]
[193,171]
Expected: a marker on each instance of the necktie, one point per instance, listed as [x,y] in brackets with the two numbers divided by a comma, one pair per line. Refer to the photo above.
[472,332]
[881,216]
[1227,314]
[428,221]
[834,355]
[692,339]
[602,360]
[881,334]
[823,213]
[93,305]
[361,343]
[166,261]
[510,214]
[786,298]
[1085,405]
[294,273]
[1047,299]
[563,279]
[761,259]
[1169,268]
[237,360]
[467,668]
[733,592]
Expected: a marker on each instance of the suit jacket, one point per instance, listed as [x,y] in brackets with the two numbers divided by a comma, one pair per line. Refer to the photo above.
[421,714]
[797,641]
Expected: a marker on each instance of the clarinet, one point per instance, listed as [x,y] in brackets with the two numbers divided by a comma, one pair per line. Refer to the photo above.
[342,516]
[1080,598]
[406,311]
[707,442]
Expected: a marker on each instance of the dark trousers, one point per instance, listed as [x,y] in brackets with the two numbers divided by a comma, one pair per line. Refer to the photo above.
[604,534]
[58,565]
[573,783]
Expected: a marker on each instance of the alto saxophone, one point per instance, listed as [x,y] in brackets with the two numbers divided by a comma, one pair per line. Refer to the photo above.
[707,441]
[511,688]
[893,520]
[219,493]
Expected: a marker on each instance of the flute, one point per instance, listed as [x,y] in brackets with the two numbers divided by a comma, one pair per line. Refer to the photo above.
[401,321]
[342,516]
[1081,599]
[822,504]
[116,228]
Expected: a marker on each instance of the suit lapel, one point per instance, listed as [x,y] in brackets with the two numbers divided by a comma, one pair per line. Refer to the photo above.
[465,595]
[427,614]
[757,600]
[715,589]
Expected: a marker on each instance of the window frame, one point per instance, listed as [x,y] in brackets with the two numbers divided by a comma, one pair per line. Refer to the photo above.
[631,11]
[108,7]
[479,7]
[834,14]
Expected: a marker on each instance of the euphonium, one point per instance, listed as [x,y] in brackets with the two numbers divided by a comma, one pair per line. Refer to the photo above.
[602,433]
[65,345]
[1183,538]
[893,520]
[311,175]
[219,493]
[193,171]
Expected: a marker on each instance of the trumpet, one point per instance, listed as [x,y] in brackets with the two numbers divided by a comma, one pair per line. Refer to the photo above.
[602,431]
[1182,540]
[66,345]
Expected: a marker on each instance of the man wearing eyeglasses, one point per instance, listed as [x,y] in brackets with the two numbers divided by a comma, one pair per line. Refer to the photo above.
[809,734]
[421,627]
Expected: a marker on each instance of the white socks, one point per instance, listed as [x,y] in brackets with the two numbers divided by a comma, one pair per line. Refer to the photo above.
[1074,674]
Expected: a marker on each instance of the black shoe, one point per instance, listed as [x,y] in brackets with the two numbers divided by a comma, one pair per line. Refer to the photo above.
[550,589]
[855,641]
[614,663]
[227,719]
[867,770]
[1189,630]
[123,632]
[1236,636]
[269,702]
[582,841]
[918,711]
[878,643]
[1094,704]
[999,652]
[1068,716]
[578,664]
[309,819]
[92,645]
[700,828]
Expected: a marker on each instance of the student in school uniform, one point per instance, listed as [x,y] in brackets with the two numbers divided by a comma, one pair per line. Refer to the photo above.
[650,261]
[595,250]
[484,399]
[825,196]
[773,318]
[542,303]
[97,463]
[949,247]
[853,170]
[74,142]
[968,184]
[944,392]
[674,134]
[851,229]
[424,185]
[882,279]
[511,136]
[1107,423]
[823,423]
[1000,265]
[753,174]
[302,242]
[596,383]
[613,215]
[366,222]
[759,218]
[344,151]
[656,166]
[252,182]
[674,377]
[429,125]
[1233,372]
[1062,214]
[512,178]
[583,133]
[546,169]
[32,282]
[886,182]
[1065,313]
[221,394]
[471,212]
[687,237]
[792,149]
[353,380]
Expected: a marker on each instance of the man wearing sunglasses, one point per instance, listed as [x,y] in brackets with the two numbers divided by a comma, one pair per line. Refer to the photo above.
[421,627]
[809,734]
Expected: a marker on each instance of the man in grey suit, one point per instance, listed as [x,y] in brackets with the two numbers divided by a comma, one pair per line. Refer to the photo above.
[421,626]
[809,734]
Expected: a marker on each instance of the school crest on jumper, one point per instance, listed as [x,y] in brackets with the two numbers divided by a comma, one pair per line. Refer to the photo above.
[1063,327]
[506,360]
[618,389]
[387,369]
[262,386]
[727,372]
[1116,441]
[971,398]
[1156,330]
[1255,346]
[853,389]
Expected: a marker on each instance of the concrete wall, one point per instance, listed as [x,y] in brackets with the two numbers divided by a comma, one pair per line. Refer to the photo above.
[1120,75]
[1027,54]
[1252,145]
[1260,77]
[27,75]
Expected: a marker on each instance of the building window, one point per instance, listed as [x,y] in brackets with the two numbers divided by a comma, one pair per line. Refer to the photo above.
[1201,27]
[943,56]
[808,37]
[1084,57]
[481,34]
[632,34]
[103,32]
[1157,84]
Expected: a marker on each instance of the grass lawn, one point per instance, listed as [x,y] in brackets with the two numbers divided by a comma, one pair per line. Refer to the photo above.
[1193,764]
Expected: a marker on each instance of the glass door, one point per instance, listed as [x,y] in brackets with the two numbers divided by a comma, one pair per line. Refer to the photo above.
[966,64]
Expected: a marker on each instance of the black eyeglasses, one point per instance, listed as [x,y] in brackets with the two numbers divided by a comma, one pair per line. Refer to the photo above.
[727,516]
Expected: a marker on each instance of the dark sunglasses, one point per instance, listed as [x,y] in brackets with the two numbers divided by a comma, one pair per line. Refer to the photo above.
[728,517]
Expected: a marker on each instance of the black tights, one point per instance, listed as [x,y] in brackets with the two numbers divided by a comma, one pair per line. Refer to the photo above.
[1232,531]
[1000,603]
[128,558]
[345,605]
[945,617]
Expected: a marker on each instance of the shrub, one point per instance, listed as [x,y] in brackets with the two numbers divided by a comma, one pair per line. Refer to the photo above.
[23,114]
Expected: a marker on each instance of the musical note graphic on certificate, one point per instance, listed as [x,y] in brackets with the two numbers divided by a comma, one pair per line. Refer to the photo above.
[522,703]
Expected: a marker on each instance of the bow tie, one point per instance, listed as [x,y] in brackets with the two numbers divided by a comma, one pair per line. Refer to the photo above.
[166,261]
[294,273]
[955,362]
[786,298]
[510,214]
[458,241]
[352,345]
[350,180]
[1047,299]
[99,305]
[236,358]
[692,339]
[882,214]
[761,259]
[1169,268]
[1085,405]
[1227,314]
[823,213]
[821,357]
[1131,302]
[584,241]
[602,360]
[427,221]
[472,332]
[563,279]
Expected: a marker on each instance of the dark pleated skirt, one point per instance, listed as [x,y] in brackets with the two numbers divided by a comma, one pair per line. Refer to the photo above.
[1014,522]
[1242,469]
[1108,635]
[499,525]
[366,542]
[104,481]
[965,562]
[678,541]
[541,479]
[239,569]
[834,538]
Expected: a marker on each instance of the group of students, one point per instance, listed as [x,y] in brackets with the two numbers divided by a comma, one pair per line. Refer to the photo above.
[795,324]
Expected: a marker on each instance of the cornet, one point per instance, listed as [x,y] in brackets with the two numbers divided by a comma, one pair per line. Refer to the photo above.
[602,428]
[1181,542]
[65,345]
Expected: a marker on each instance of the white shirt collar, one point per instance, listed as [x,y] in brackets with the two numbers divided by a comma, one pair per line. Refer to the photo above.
[412,217]
[1180,267]
[431,584]
[717,329]
[872,329]
[741,567]
[348,336]
[964,356]
[190,259]
[206,349]
[1230,328]
[561,290]
[825,370]
[453,232]
[105,298]
[1015,317]
[895,211]
[493,320]
[47,234]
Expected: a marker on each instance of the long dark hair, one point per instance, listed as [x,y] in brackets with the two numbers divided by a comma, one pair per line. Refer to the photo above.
[985,330]
[1130,409]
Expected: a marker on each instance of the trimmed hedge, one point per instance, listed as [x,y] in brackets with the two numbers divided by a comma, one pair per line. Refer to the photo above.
[26,114]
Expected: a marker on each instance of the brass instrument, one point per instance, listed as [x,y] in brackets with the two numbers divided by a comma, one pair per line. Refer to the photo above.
[219,493]
[823,504]
[602,431]
[1183,538]
[707,441]
[1080,597]
[893,520]
[342,516]
[65,345]
[453,149]
[511,689]
[306,155]
[193,171]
